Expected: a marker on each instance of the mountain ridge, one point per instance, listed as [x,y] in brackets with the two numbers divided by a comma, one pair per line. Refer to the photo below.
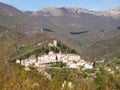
[73,27]
[9,10]
[53,11]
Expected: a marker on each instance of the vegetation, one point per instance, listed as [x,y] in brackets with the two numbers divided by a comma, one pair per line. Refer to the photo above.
[61,65]
[48,30]
[77,33]
[102,30]
[106,81]
[118,27]
[105,49]
[27,51]
[14,44]
[14,77]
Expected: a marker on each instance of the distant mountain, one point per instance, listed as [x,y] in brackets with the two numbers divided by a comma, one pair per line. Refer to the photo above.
[9,10]
[17,20]
[52,11]
[115,12]
[28,12]
[78,28]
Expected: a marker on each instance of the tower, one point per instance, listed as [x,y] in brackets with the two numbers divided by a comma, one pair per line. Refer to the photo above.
[41,30]
[55,43]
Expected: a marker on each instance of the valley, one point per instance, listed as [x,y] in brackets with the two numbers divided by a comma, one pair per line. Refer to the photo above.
[65,48]
[68,20]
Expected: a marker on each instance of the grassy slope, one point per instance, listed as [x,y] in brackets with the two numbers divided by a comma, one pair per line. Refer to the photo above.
[105,49]
[63,25]
[23,40]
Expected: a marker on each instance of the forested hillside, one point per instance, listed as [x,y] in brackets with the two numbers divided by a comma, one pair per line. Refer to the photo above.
[13,76]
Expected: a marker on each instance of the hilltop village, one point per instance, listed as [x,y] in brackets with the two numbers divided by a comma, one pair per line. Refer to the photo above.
[73,61]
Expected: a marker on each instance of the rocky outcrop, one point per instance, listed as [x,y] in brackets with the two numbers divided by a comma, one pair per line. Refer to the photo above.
[52,11]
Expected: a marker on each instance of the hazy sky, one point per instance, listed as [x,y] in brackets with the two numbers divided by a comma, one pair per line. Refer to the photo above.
[38,4]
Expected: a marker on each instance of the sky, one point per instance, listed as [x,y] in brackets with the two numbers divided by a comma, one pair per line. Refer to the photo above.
[33,5]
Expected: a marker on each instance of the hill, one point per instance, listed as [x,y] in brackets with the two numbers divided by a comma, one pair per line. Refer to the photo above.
[94,34]
[76,27]
[22,38]
[105,49]
[65,21]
